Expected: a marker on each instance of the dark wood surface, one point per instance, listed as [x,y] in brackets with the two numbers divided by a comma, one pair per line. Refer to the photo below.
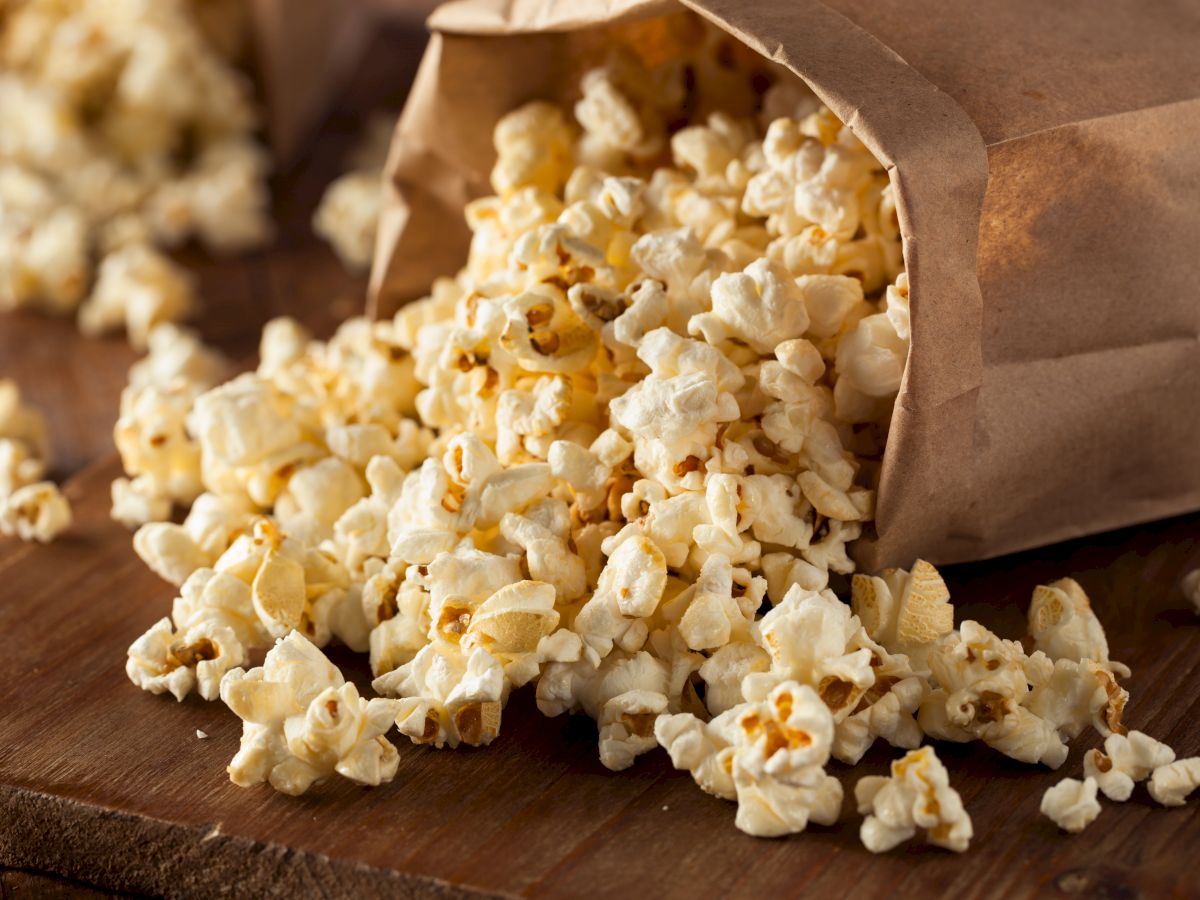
[103,784]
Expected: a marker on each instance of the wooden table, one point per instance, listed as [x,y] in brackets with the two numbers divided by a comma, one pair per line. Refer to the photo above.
[106,785]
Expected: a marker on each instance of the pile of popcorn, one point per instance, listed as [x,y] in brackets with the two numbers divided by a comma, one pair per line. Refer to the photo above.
[30,508]
[126,132]
[618,458]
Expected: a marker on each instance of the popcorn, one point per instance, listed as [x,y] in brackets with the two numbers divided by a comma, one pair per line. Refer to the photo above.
[136,502]
[629,591]
[302,722]
[768,755]
[348,215]
[107,101]
[35,512]
[905,611]
[449,697]
[1063,625]
[981,691]
[761,306]
[814,639]
[917,795]
[1071,804]
[1171,784]
[136,288]
[22,423]
[165,660]
[1125,760]
[647,410]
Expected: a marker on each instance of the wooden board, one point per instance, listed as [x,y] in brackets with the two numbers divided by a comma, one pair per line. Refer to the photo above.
[107,785]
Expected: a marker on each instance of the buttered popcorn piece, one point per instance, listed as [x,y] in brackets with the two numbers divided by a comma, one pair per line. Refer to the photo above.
[980,692]
[302,722]
[1125,760]
[769,756]
[1072,804]
[1063,625]
[129,131]
[136,288]
[1171,784]
[917,795]
[36,512]
[165,660]
[904,611]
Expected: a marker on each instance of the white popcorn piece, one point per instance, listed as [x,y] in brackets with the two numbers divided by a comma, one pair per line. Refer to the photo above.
[136,502]
[760,306]
[715,614]
[1071,804]
[36,512]
[163,659]
[21,422]
[980,691]
[814,639]
[769,756]
[136,289]
[448,697]
[629,591]
[1071,695]
[178,355]
[18,467]
[348,215]
[1125,760]
[1171,784]
[1063,625]
[904,611]
[510,625]
[917,795]
[302,722]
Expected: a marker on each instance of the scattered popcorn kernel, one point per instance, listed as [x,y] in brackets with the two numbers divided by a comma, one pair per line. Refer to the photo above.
[1062,624]
[302,722]
[917,795]
[1171,784]
[769,756]
[1072,804]
[1125,760]
[36,512]
[136,289]
[165,660]
[348,215]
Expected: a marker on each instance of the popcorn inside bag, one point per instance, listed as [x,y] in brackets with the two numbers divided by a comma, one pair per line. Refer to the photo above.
[127,131]
[618,457]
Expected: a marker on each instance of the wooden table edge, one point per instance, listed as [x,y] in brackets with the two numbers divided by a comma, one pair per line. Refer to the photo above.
[122,851]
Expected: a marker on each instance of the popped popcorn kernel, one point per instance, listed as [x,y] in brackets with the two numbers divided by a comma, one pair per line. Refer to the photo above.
[302,723]
[1071,804]
[1171,784]
[917,795]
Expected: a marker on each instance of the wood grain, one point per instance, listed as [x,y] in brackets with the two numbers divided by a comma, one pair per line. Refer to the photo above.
[103,783]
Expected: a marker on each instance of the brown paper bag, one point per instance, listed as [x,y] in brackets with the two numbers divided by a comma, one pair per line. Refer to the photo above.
[1047,169]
